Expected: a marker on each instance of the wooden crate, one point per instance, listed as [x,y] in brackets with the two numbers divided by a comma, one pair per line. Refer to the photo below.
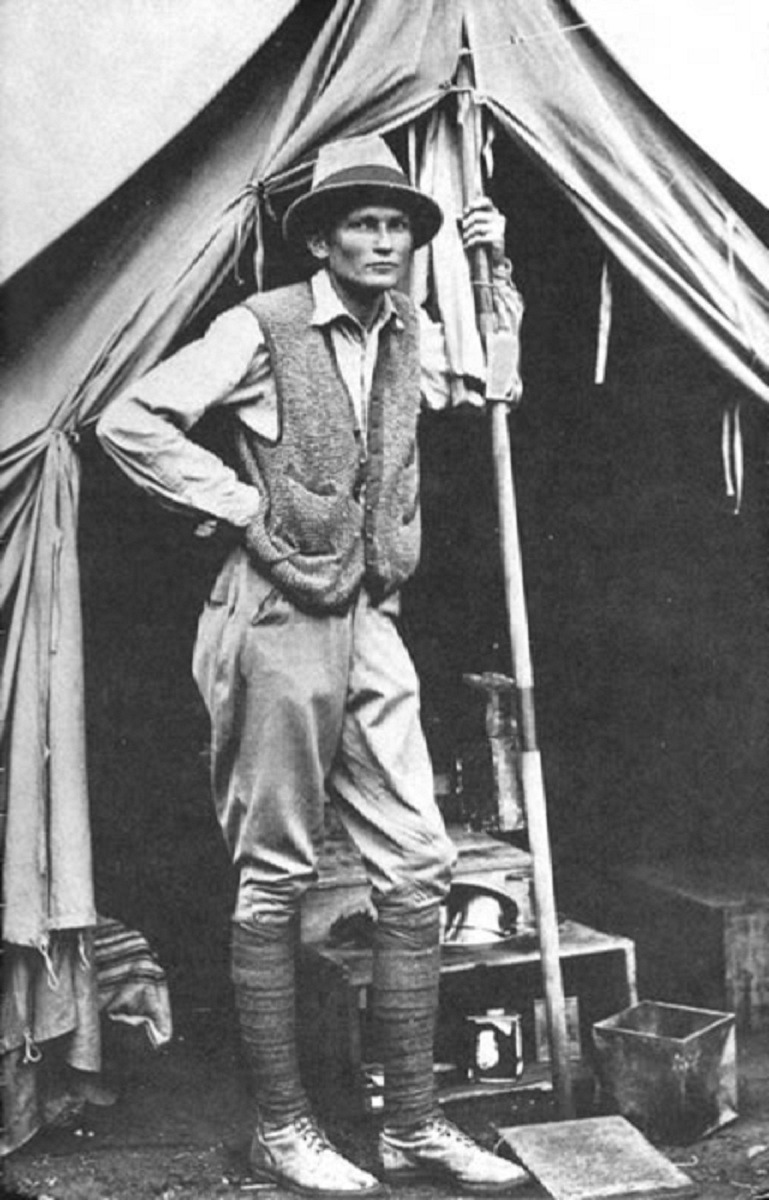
[342,887]
[701,929]
[598,968]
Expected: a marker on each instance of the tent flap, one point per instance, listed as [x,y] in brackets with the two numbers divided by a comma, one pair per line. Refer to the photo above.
[47,878]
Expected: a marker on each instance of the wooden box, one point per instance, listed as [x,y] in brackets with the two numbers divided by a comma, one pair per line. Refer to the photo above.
[335,1001]
[701,929]
[342,887]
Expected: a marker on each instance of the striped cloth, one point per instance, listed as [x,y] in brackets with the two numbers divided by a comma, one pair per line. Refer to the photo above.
[131,983]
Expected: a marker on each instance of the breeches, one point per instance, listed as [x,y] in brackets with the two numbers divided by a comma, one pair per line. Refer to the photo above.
[305,706]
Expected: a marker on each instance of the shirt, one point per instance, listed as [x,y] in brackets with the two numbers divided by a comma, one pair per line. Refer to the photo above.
[145,428]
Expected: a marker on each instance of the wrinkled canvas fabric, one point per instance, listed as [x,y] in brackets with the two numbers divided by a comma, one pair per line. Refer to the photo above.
[50,1012]
[441,269]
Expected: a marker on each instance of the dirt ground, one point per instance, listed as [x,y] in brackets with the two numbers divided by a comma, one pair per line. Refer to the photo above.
[179,1130]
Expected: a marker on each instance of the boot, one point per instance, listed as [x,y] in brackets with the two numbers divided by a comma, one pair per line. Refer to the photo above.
[438,1150]
[299,1156]
[417,1141]
[287,1147]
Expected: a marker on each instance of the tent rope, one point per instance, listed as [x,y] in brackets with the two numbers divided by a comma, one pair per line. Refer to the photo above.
[524,39]
[250,193]
[544,37]
[285,181]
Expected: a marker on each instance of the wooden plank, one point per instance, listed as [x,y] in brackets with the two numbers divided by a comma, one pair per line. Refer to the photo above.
[342,886]
[598,1158]
[718,883]
[577,941]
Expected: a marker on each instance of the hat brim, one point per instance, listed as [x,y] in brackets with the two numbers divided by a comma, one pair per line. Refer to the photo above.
[329,201]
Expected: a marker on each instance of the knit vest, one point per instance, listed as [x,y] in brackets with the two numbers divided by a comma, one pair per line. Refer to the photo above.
[334,514]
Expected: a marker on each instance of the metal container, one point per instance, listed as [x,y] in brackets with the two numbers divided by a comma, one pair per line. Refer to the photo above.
[478,915]
[669,1069]
[496,1046]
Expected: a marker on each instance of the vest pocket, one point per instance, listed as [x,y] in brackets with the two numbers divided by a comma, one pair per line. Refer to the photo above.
[309,520]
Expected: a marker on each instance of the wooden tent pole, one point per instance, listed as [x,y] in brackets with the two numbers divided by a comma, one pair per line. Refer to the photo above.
[532,780]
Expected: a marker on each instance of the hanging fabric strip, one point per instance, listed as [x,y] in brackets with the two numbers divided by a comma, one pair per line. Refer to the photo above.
[487,150]
[731,441]
[732,454]
[412,151]
[259,238]
[604,324]
[82,951]
[32,1052]
[44,947]
[245,202]
[738,458]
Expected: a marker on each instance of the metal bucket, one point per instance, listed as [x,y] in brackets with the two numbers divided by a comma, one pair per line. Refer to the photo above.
[669,1069]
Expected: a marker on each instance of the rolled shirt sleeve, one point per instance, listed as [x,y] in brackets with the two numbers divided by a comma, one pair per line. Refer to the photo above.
[145,428]
[435,361]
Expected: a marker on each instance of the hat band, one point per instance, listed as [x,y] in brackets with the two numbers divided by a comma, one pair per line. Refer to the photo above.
[364,176]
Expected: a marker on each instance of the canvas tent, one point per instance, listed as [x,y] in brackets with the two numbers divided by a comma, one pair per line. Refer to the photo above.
[177,230]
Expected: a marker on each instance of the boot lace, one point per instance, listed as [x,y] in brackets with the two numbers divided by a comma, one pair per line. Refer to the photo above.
[312,1135]
[447,1129]
[440,1128]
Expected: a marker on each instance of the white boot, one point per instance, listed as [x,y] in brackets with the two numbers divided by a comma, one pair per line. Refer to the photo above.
[438,1150]
[299,1156]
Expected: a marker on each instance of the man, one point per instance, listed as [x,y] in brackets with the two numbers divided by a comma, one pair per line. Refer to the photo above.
[308,685]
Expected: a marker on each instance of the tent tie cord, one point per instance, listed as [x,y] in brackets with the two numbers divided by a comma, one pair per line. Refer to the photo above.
[32,1052]
[605,308]
[82,951]
[546,35]
[732,451]
[66,433]
[251,192]
[260,192]
[45,950]
[284,181]
[461,89]
[732,454]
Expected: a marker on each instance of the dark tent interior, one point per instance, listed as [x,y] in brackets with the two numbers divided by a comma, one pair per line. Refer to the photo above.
[646,592]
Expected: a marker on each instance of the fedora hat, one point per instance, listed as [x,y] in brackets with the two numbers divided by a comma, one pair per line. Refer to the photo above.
[350,174]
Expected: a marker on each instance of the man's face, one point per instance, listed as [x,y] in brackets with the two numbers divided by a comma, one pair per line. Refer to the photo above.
[367,250]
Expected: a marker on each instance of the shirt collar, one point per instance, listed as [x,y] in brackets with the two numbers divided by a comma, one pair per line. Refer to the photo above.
[329,309]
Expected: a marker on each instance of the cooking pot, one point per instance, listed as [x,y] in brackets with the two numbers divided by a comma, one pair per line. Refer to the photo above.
[478,916]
